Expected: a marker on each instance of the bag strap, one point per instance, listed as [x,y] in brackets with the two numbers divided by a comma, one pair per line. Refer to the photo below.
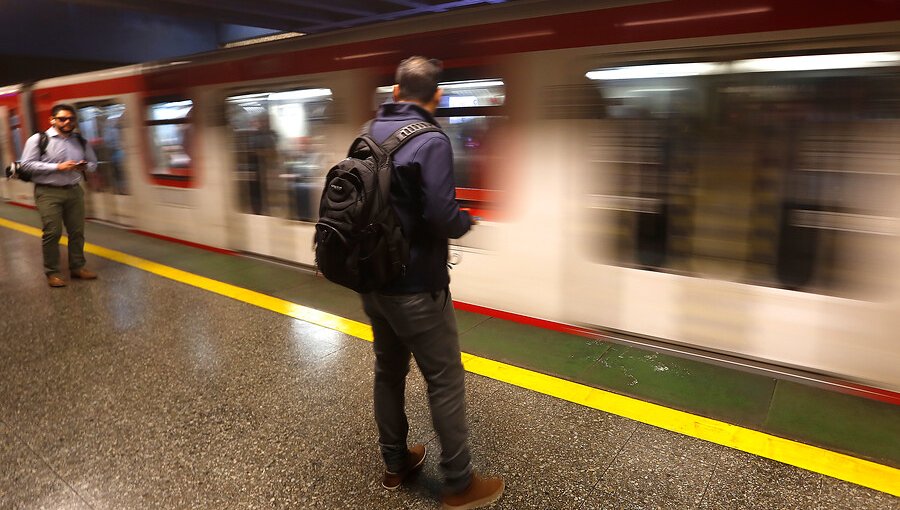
[44,140]
[393,142]
[400,136]
[83,143]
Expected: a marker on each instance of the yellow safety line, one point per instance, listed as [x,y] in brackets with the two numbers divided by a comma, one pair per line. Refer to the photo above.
[311,315]
[21,228]
[304,313]
[836,465]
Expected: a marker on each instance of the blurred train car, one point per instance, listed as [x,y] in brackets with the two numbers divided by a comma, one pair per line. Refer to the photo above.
[717,176]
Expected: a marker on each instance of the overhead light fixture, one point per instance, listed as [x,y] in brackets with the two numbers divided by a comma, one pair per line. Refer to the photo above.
[247,98]
[658,89]
[657,71]
[187,103]
[817,62]
[450,85]
[287,95]
[756,65]
[470,84]
[299,95]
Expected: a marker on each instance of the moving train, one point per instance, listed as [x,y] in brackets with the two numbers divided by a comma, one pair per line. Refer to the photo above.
[717,177]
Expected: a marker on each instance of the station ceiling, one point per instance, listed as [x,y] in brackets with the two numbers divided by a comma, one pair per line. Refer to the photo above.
[47,38]
[306,16]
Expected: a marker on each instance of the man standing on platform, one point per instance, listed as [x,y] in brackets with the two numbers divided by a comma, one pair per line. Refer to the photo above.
[413,315]
[56,160]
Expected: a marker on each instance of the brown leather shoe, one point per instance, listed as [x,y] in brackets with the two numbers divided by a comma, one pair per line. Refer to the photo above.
[481,492]
[55,280]
[84,274]
[414,460]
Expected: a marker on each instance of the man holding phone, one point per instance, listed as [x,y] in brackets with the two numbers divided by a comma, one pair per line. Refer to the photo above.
[57,173]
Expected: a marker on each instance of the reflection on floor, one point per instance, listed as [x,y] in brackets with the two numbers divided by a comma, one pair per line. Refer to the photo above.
[135,391]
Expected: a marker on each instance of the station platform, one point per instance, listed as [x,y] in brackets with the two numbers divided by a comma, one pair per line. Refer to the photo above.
[189,378]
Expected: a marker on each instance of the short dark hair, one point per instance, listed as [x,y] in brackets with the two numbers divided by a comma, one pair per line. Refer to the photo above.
[418,78]
[56,109]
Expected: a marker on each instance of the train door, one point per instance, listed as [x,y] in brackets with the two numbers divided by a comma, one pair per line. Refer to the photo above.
[12,139]
[472,115]
[280,157]
[634,223]
[776,197]
[180,188]
[101,122]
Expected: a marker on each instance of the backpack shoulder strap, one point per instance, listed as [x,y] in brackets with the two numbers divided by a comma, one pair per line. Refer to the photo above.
[83,143]
[399,137]
[43,141]
[394,142]
[364,146]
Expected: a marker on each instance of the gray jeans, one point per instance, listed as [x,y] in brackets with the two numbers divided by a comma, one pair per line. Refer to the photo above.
[58,207]
[424,326]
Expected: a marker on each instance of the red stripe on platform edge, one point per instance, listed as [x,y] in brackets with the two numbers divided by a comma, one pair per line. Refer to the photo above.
[860,390]
[845,387]
[182,241]
[20,204]
[524,319]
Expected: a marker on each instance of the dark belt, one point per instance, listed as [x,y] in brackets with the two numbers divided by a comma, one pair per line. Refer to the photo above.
[62,186]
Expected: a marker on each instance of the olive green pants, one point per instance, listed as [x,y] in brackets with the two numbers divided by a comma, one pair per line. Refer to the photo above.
[58,207]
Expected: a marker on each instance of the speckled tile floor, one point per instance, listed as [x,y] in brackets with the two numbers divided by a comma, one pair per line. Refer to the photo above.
[135,392]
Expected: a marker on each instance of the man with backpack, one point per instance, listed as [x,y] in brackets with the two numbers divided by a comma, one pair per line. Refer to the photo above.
[412,314]
[55,161]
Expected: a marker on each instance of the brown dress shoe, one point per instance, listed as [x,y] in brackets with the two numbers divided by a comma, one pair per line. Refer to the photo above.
[414,460]
[84,274]
[55,280]
[481,492]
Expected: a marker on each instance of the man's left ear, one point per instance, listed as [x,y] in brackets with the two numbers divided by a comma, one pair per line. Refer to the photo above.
[438,94]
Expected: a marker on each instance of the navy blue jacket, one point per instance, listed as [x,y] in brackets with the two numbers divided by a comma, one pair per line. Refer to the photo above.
[423,193]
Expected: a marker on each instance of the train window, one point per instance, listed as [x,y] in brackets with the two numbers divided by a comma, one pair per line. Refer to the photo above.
[471,114]
[170,140]
[473,93]
[775,171]
[101,125]
[279,146]
[470,137]
[460,94]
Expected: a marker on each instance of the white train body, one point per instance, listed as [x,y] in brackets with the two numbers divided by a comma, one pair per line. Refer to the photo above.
[738,210]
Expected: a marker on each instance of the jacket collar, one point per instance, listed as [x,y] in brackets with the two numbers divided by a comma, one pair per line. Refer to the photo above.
[405,111]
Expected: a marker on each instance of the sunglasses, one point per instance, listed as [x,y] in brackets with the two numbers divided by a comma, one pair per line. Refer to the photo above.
[64,119]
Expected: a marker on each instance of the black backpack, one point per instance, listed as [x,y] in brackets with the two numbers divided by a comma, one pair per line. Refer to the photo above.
[359,241]
[15,170]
